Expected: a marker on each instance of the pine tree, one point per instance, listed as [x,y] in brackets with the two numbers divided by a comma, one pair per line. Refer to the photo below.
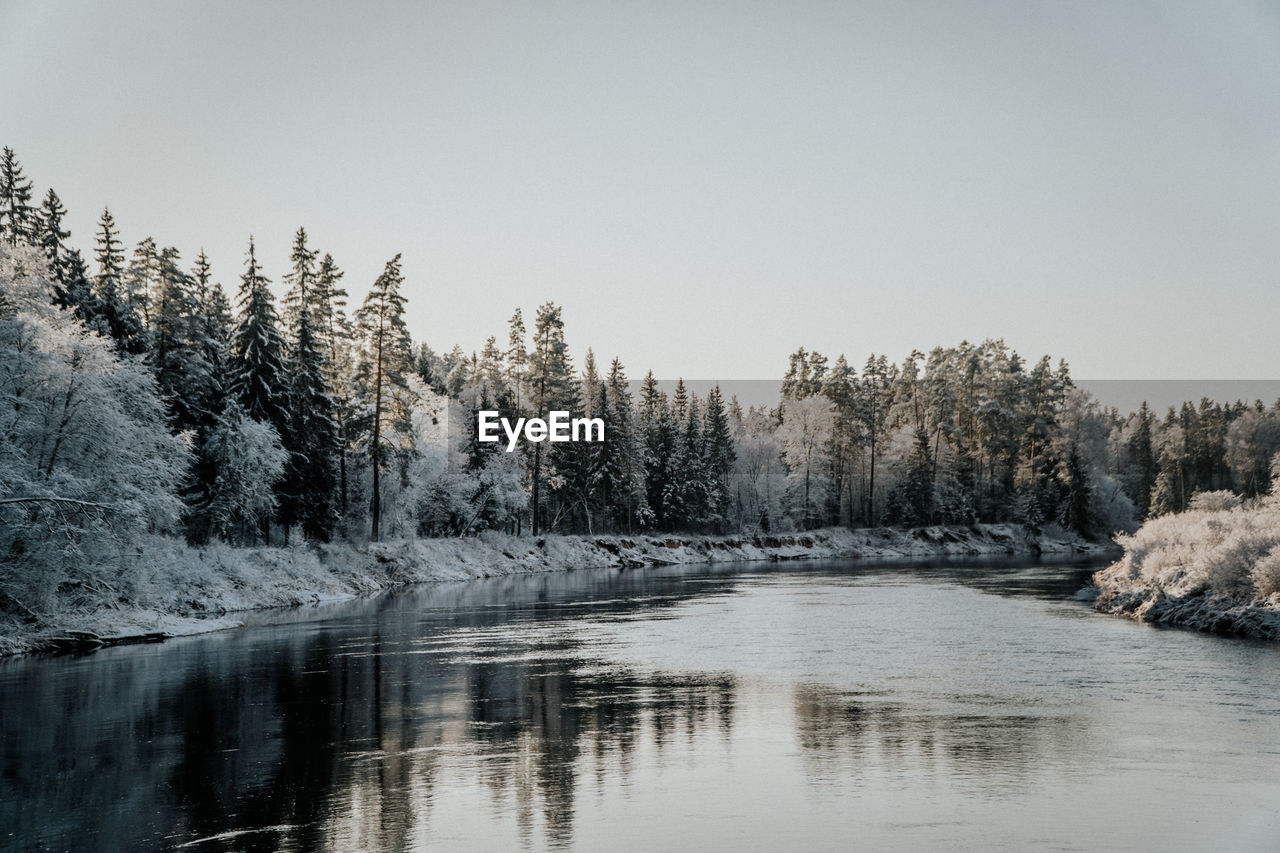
[142,279]
[689,490]
[75,293]
[718,459]
[385,366]
[917,497]
[590,383]
[630,505]
[659,428]
[517,358]
[551,387]
[1079,503]
[874,403]
[309,486]
[337,343]
[187,380]
[118,317]
[17,217]
[491,372]
[310,478]
[216,325]
[1142,474]
[50,234]
[258,376]
[300,297]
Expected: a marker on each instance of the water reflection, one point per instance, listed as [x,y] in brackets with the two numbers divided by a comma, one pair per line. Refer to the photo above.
[842,733]
[556,711]
[321,735]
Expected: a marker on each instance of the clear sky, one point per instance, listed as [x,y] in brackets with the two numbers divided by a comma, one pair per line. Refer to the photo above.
[703,186]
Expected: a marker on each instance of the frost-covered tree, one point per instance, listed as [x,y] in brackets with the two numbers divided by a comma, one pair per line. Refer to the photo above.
[803,438]
[87,462]
[243,460]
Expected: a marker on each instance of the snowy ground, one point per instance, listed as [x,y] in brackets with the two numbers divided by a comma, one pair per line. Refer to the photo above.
[180,590]
[1214,570]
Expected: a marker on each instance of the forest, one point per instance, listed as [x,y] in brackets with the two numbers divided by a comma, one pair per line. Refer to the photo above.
[143,397]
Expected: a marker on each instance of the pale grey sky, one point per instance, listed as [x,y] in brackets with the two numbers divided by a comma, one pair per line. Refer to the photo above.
[703,186]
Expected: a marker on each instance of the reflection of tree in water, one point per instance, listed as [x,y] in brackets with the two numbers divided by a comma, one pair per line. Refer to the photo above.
[536,720]
[848,738]
[334,736]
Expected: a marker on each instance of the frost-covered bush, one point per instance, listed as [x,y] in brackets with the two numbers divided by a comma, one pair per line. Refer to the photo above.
[87,462]
[1266,574]
[1215,501]
[1230,552]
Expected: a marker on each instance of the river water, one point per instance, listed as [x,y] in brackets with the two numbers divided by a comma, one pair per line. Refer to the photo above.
[805,706]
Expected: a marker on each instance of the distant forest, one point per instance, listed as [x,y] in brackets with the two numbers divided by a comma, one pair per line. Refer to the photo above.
[139,395]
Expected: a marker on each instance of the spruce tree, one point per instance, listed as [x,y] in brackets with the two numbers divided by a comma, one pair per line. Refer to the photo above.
[258,377]
[659,428]
[50,235]
[17,217]
[631,507]
[188,380]
[75,293]
[517,358]
[718,459]
[118,317]
[142,280]
[310,480]
[309,486]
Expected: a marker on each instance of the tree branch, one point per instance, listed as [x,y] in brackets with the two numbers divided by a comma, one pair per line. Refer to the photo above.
[55,500]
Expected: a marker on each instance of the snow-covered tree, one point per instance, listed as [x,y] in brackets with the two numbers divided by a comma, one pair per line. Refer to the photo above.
[244,461]
[87,462]
[257,350]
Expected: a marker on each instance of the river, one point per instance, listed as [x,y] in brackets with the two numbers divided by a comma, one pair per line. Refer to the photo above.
[796,706]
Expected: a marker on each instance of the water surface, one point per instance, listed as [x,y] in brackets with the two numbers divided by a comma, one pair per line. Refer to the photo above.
[815,706]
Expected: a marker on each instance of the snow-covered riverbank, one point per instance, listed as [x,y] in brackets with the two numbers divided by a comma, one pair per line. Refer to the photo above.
[1210,569]
[178,590]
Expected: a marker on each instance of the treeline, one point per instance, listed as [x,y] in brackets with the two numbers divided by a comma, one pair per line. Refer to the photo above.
[306,418]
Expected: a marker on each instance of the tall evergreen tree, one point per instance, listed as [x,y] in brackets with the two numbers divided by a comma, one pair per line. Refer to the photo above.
[17,217]
[188,380]
[551,388]
[118,317]
[386,363]
[630,505]
[142,279]
[258,376]
[75,293]
[660,432]
[308,488]
[718,460]
[517,358]
[50,235]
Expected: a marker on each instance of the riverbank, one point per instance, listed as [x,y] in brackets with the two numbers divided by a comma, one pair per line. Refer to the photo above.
[176,590]
[1211,570]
